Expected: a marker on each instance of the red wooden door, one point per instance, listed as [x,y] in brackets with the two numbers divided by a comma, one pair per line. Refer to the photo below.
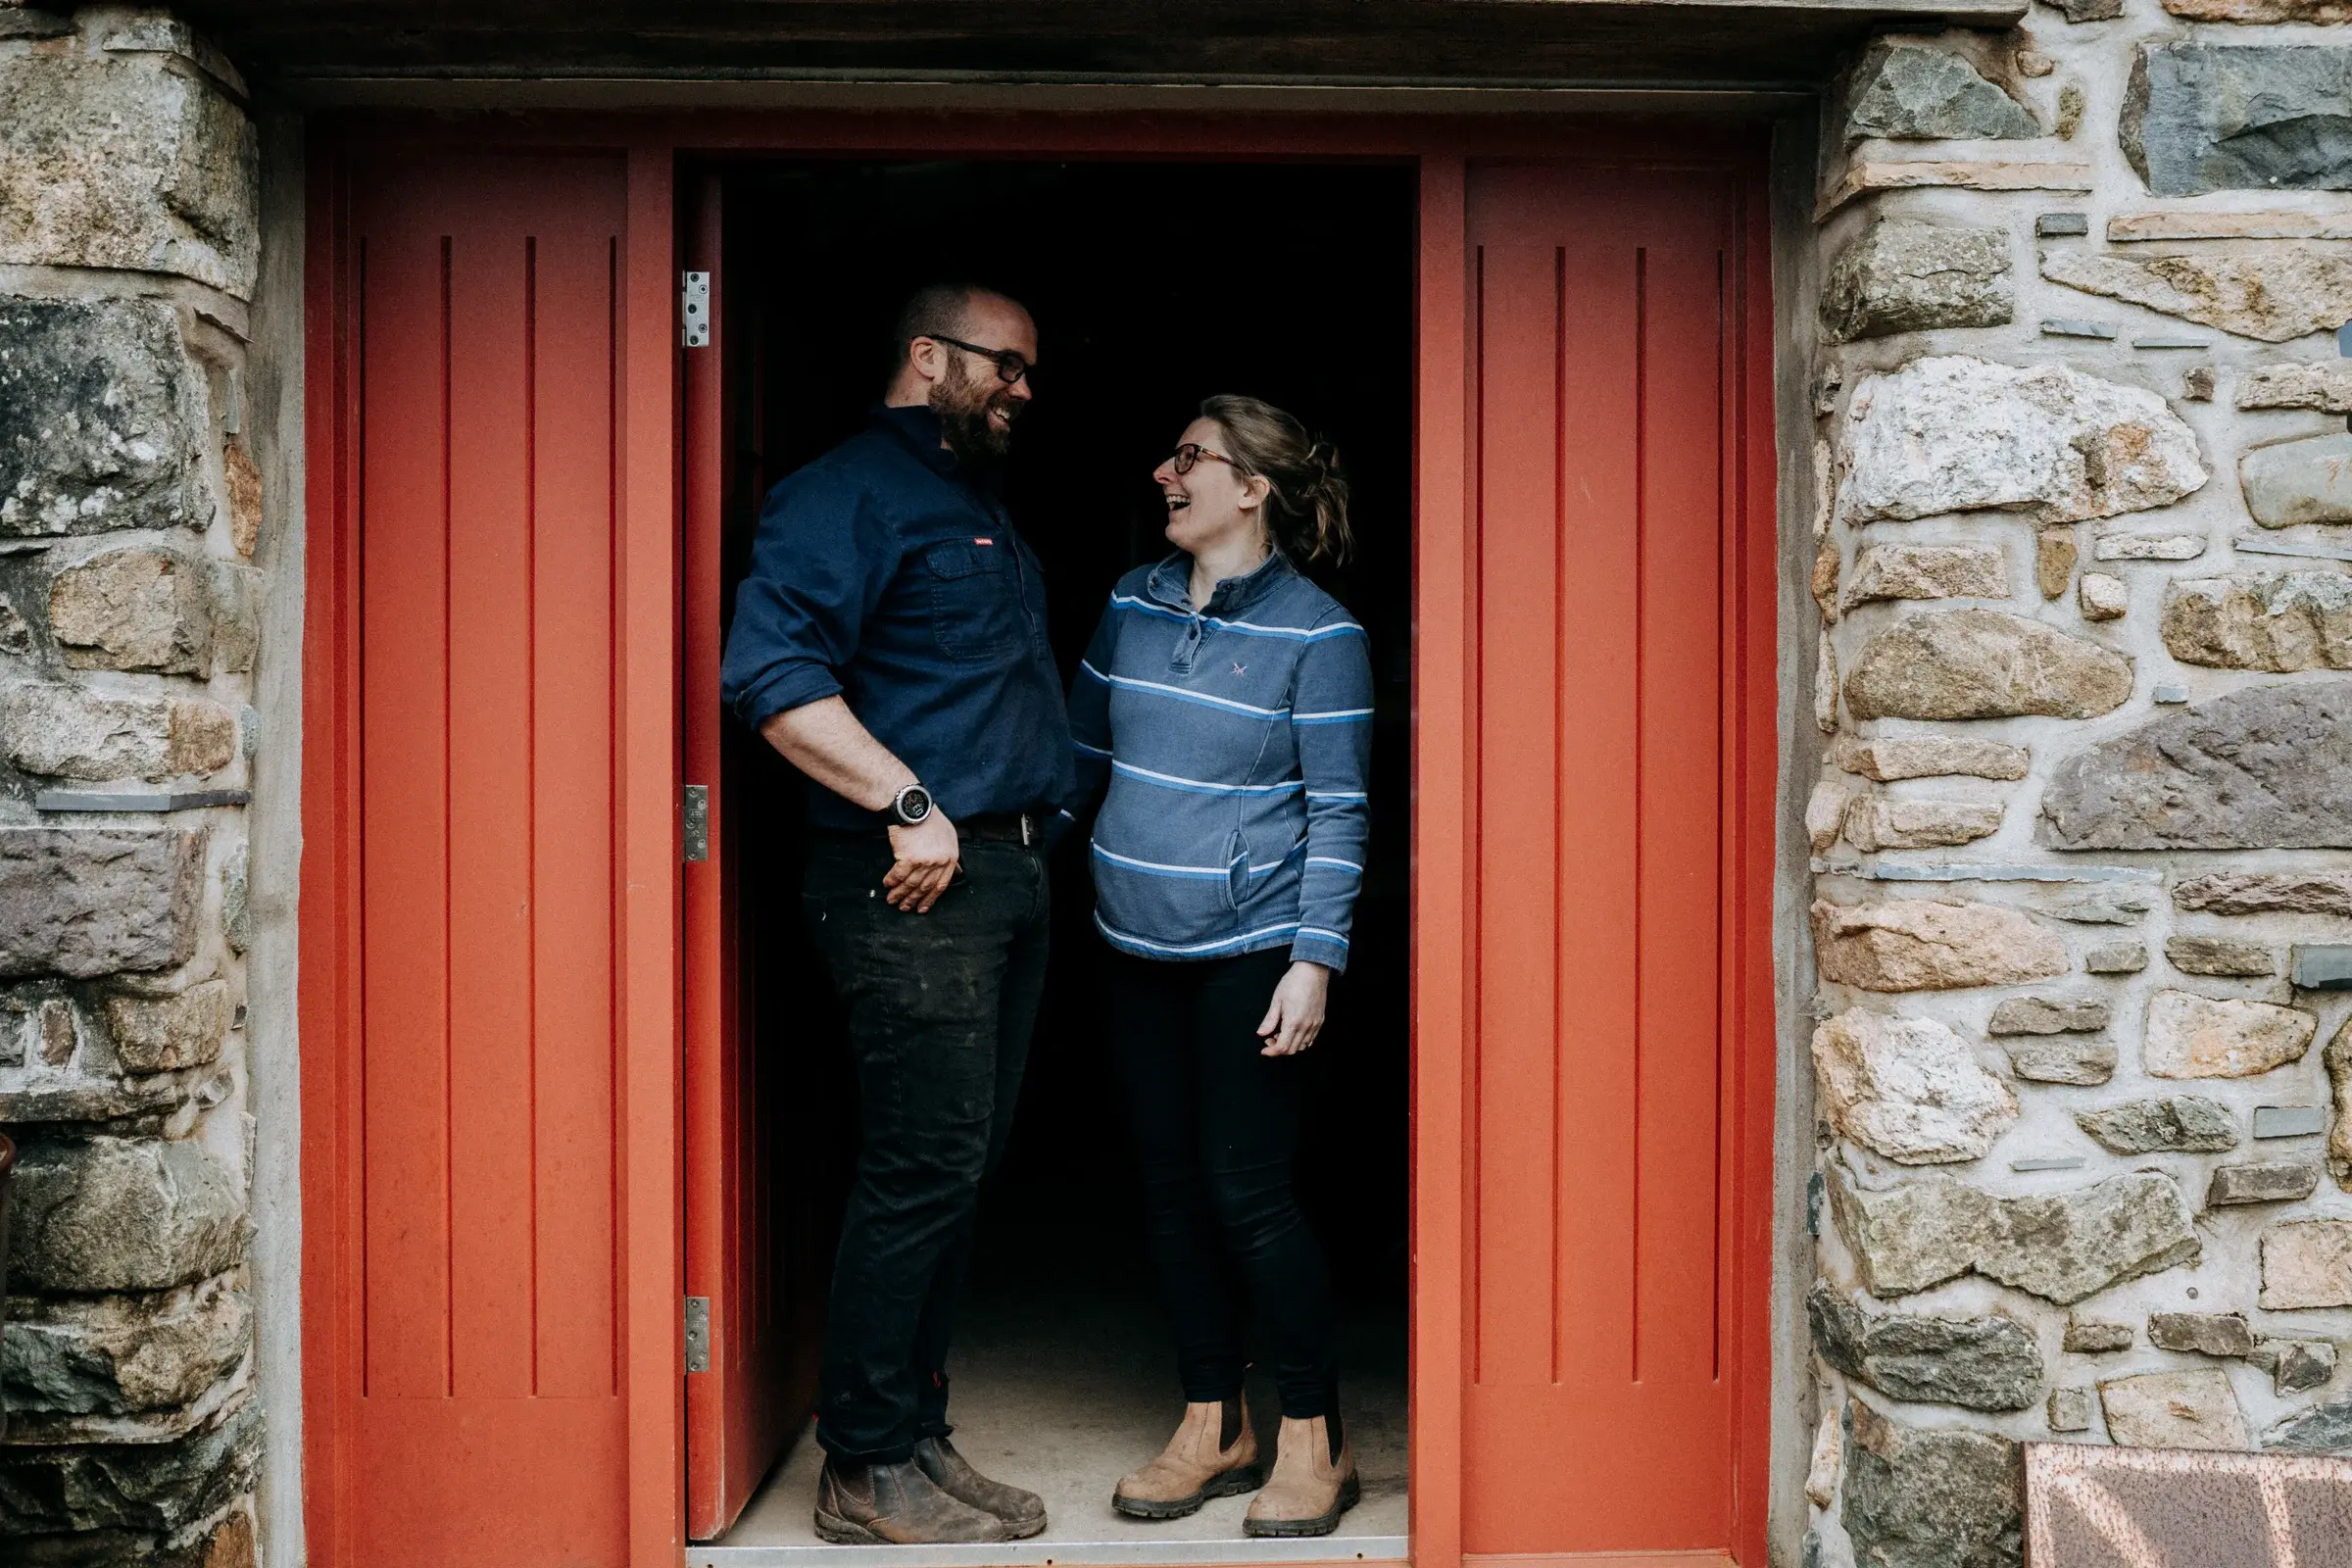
[474,1247]
[1620,721]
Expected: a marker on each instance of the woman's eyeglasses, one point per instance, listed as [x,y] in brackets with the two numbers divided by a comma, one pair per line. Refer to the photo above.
[1011,367]
[1190,453]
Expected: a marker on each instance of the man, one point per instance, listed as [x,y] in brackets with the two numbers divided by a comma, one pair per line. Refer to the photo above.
[890,642]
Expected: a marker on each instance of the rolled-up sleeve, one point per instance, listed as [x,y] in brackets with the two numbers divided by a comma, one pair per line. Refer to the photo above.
[820,562]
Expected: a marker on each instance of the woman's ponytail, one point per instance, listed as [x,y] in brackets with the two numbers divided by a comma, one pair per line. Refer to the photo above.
[1307,508]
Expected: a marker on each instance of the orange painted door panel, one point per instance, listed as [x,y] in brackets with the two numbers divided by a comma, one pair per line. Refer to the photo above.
[1613,853]
[479,1252]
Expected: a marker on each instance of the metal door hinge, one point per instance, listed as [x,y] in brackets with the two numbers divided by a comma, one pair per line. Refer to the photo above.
[695,807]
[694,309]
[698,1334]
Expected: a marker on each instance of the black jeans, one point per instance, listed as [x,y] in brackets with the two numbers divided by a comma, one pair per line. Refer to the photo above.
[939,1011]
[1216,1126]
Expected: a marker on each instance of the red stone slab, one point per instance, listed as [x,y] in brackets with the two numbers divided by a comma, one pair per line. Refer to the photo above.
[2088,1506]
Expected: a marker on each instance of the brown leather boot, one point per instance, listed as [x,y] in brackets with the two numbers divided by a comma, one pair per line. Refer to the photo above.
[1214,1454]
[895,1504]
[1309,1488]
[1023,1512]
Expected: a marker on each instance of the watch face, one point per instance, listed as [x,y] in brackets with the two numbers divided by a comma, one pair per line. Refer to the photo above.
[914,803]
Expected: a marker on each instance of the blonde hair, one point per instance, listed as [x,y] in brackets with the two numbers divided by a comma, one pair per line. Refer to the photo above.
[1308,514]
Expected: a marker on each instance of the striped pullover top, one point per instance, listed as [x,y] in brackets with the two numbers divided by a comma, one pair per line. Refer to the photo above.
[1235,740]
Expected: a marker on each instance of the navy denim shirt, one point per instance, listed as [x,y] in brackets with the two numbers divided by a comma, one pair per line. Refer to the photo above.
[882,575]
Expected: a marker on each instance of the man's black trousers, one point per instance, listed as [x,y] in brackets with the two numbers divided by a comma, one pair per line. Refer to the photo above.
[939,1011]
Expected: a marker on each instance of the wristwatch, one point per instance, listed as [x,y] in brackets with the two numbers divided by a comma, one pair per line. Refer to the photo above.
[910,805]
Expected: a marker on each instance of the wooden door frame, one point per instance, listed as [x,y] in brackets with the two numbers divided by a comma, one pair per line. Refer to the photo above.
[652,908]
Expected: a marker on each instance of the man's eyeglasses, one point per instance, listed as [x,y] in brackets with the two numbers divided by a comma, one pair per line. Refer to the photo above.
[1190,453]
[1011,367]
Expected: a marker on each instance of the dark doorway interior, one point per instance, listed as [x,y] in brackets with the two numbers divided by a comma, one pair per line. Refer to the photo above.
[1154,286]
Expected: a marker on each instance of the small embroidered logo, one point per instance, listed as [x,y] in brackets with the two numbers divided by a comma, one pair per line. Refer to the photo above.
[984,541]
[1241,670]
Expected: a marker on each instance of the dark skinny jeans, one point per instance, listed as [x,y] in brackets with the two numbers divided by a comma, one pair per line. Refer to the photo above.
[940,1008]
[1216,1127]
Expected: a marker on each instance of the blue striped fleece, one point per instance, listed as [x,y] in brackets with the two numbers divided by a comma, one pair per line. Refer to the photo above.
[1232,745]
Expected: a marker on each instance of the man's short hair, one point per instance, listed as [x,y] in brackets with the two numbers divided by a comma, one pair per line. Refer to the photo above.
[937,310]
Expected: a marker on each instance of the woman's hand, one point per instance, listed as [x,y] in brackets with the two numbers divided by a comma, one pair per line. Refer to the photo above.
[1296,1015]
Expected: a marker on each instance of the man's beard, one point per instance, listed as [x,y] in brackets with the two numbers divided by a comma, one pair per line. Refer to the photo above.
[961,403]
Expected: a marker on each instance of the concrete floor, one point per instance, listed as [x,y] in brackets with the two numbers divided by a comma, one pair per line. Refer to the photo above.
[1063,1392]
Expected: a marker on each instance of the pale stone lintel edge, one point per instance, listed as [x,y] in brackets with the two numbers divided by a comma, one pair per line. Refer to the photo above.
[2129,229]
[1965,175]
[1885,872]
[2254,544]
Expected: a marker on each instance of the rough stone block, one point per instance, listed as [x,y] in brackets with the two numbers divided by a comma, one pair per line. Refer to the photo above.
[2292,482]
[112,1356]
[1825,812]
[146,609]
[2149,547]
[1908,1088]
[2295,1365]
[124,162]
[163,1034]
[2287,291]
[1927,571]
[2116,957]
[1919,1497]
[2321,384]
[2267,892]
[2322,1429]
[2174,1410]
[1911,91]
[2061,1247]
[2101,905]
[2102,598]
[2264,767]
[123,1215]
[102,414]
[1875,822]
[1984,664]
[89,901]
[2338,1059]
[1901,276]
[2200,117]
[1965,174]
[1957,433]
[2177,1123]
[2063,1061]
[2262,1182]
[2055,553]
[67,731]
[2072,1410]
[2091,1336]
[1897,757]
[242,481]
[2221,956]
[2189,1036]
[2307,1263]
[157,1489]
[2048,1015]
[1979,1363]
[1924,945]
[2224,1333]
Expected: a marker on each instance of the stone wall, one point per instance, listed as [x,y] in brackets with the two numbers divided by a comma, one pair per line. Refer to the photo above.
[2084,678]
[131,506]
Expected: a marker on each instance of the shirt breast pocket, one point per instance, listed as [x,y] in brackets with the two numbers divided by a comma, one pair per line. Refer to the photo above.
[975,598]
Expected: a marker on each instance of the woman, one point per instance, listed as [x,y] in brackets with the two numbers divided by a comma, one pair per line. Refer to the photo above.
[1228,701]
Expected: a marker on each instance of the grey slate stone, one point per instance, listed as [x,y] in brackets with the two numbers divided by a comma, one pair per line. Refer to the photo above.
[2178,1123]
[1913,93]
[2322,1429]
[2291,482]
[1903,276]
[86,902]
[2201,1333]
[2266,767]
[1916,1498]
[2116,957]
[123,1215]
[2290,1121]
[1979,1363]
[159,1488]
[2296,1364]
[2262,1182]
[2059,225]
[81,1355]
[2072,1410]
[101,416]
[2061,1247]
[2203,117]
